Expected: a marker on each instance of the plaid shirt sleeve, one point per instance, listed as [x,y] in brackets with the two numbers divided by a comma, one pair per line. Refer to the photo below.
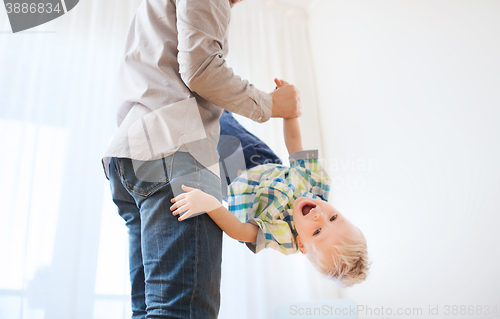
[261,196]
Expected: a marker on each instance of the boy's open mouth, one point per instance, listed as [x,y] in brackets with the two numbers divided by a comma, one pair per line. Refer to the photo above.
[307,208]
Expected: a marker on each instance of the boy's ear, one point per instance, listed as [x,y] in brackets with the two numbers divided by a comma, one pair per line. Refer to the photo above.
[301,246]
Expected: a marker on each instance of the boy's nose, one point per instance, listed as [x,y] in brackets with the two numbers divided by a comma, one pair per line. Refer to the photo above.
[319,215]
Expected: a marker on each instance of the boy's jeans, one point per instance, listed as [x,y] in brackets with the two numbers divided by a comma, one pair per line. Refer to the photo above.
[175,267]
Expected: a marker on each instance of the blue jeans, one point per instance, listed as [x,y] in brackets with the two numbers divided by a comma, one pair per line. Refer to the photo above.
[175,267]
[255,152]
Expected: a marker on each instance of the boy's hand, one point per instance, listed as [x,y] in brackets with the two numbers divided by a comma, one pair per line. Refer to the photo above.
[192,202]
[280,83]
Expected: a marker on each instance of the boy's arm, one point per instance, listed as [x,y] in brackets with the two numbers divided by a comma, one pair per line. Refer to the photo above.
[196,201]
[291,128]
[291,131]
[232,226]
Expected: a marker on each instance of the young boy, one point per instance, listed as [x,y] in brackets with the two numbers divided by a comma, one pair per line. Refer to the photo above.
[285,208]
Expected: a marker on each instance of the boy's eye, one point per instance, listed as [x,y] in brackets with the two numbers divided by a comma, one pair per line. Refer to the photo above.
[333,218]
[317,231]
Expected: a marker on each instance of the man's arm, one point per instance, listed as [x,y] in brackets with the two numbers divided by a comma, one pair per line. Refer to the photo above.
[195,201]
[202,27]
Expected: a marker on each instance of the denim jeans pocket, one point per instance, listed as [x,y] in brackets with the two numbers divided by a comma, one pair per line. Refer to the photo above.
[185,171]
[144,177]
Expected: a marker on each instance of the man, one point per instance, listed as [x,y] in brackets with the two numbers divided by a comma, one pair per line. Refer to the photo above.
[174,84]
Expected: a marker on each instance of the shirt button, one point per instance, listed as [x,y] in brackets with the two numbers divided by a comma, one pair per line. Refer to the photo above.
[259,118]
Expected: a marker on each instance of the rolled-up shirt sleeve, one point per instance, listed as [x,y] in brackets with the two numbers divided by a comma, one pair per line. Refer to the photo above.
[202,28]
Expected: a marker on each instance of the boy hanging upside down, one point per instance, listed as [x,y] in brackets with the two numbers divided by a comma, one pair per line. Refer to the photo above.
[286,208]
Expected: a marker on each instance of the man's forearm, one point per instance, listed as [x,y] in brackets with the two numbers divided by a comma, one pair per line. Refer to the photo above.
[217,83]
[232,226]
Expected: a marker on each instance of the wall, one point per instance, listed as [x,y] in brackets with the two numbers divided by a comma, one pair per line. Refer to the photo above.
[409,105]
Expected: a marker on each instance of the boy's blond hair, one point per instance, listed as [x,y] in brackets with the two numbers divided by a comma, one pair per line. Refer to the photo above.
[347,264]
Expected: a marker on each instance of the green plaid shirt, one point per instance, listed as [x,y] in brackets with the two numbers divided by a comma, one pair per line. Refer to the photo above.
[264,196]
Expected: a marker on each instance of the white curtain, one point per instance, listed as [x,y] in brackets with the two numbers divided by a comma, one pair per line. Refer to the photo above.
[410,91]
[62,243]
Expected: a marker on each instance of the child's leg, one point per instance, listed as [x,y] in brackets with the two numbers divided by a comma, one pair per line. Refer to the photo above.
[255,151]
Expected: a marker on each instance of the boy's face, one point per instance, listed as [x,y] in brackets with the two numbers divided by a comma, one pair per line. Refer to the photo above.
[320,226]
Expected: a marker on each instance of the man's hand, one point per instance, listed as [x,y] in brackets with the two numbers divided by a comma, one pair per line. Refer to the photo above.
[233,2]
[286,100]
[192,202]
